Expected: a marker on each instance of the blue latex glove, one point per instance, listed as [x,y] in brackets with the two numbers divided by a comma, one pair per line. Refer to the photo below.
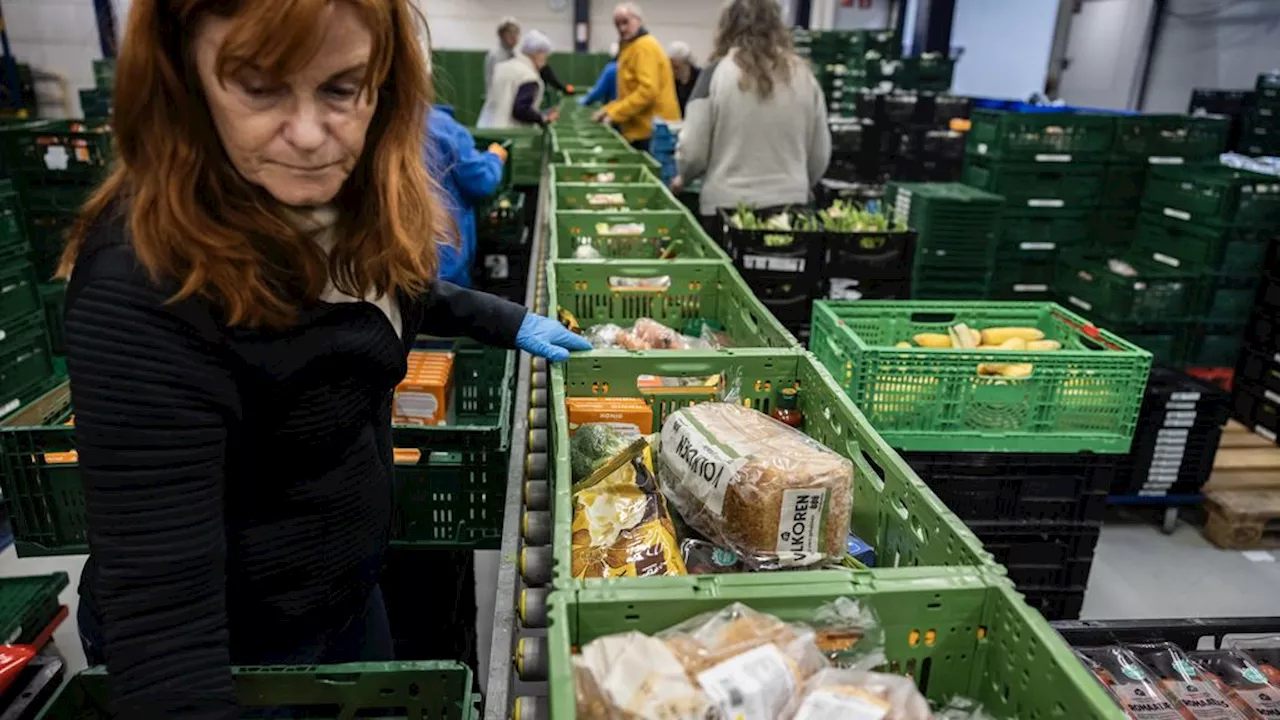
[546,338]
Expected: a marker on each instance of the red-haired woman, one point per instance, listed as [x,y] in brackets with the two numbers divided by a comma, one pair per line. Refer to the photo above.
[244,289]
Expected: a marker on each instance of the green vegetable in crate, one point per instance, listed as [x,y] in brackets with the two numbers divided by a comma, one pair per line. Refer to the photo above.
[593,445]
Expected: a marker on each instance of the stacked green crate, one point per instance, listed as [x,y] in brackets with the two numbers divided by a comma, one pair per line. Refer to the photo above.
[458,77]
[527,145]
[957,230]
[1212,224]
[1260,135]
[847,60]
[27,367]
[95,102]
[1050,169]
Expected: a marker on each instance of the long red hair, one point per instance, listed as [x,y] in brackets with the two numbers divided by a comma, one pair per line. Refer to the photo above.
[193,218]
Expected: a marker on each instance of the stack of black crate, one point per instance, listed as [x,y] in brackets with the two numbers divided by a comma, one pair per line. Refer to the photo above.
[900,135]
[1039,514]
[1235,105]
[1260,129]
[1256,387]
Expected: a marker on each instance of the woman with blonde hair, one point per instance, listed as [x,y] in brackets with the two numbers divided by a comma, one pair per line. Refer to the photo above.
[244,290]
[756,126]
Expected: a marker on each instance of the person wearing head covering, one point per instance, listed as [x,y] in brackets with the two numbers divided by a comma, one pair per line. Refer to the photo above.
[606,87]
[756,132]
[508,39]
[646,87]
[245,287]
[685,70]
[516,94]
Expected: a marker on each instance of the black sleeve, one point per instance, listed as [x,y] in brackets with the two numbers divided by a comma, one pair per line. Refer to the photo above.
[549,77]
[152,401]
[523,109]
[452,311]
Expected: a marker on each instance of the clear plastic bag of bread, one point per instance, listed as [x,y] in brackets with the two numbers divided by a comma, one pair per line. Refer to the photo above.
[645,334]
[859,695]
[749,483]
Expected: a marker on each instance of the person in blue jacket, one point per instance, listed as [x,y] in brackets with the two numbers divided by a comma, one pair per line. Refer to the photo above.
[606,87]
[467,176]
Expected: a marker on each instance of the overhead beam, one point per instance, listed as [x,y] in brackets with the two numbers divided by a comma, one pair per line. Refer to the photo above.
[582,26]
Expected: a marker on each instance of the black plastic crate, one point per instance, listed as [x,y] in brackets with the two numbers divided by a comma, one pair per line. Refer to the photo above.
[787,297]
[1186,634]
[33,688]
[1053,550]
[775,252]
[1221,102]
[841,288]
[1258,371]
[1055,603]
[1262,332]
[869,255]
[932,143]
[981,487]
[1258,410]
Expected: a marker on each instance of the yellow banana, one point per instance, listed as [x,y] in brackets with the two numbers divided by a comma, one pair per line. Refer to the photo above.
[1014,343]
[904,344]
[1006,370]
[997,336]
[1044,345]
[932,340]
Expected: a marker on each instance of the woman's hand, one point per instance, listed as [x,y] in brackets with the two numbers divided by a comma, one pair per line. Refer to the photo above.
[546,338]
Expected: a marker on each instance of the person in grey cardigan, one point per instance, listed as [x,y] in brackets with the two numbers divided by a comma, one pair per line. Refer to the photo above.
[755,130]
[508,38]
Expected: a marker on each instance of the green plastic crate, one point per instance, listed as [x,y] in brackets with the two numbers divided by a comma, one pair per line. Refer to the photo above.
[1215,346]
[1086,396]
[1202,249]
[590,144]
[95,103]
[28,605]
[675,231]
[1038,186]
[1122,185]
[1218,196]
[57,149]
[609,157]
[451,497]
[1040,137]
[1157,294]
[1226,300]
[613,197]
[698,290]
[1167,342]
[1170,139]
[104,73]
[26,361]
[409,690]
[501,220]
[13,240]
[1031,234]
[527,144]
[981,640]
[19,292]
[1113,229]
[627,174]
[893,509]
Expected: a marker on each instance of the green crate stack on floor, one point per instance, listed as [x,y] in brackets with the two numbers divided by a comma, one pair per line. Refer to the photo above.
[1212,224]
[27,364]
[95,102]
[957,229]
[847,60]
[1050,168]
[1260,134]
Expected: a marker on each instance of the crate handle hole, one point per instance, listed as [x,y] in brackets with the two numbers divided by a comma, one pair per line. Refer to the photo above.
[926,318]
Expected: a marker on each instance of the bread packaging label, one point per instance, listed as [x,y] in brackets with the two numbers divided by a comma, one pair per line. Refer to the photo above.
[756,685]
[800,524]
[704,466]
[827,704]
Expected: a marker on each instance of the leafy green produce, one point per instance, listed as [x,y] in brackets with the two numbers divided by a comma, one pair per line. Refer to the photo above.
[843,216]
[593,445]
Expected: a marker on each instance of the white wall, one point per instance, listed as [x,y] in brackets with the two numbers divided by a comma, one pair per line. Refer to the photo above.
[1104,53]
[1006,46]
[473,24]
[875,17]
[59,37]
[1224,49]
[693,21]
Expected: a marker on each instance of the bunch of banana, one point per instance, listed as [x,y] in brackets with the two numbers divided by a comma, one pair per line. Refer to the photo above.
[961,336]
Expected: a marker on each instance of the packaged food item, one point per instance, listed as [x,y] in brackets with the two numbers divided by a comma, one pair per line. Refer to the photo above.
[602,199]
[635,677]
[1265,653]
[749,483]
[1132,684]
[787,409]
[423,397]
[629,229]
[1183,679]
[1241,681]
[659,282]
[705,558]
[859,695]
[960,708]
[860,550]
[621,526]
[593,445]
[645,334]
[629,415]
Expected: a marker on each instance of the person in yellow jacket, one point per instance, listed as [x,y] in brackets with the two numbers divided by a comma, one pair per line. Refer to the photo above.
[646,83]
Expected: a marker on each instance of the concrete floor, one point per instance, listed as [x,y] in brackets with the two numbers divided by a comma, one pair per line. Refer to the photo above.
[1138,572]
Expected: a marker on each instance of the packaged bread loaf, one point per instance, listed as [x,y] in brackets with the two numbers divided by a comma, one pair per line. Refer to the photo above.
[858,695]
[749,483]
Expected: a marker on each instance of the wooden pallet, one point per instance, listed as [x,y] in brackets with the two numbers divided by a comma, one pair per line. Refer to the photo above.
[1245,461]
[1243,519]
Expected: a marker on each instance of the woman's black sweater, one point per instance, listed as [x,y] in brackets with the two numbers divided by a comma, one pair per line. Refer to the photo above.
[238,483]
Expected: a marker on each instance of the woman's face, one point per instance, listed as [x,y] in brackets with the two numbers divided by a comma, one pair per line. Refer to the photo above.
[298,138]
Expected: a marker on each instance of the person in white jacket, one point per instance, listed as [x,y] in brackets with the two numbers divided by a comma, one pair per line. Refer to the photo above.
[516,92]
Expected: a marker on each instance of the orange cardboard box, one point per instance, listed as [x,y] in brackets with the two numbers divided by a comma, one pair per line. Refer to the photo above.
[423,397]
[617,411]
